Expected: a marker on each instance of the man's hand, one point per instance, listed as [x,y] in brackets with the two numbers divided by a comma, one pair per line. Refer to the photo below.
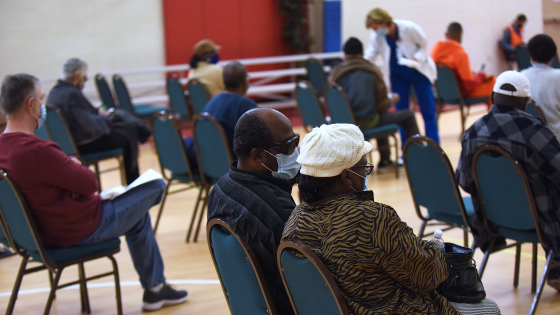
[103,112]
[395,98]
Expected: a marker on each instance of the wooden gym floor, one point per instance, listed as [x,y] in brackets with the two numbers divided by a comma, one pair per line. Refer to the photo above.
[190,267]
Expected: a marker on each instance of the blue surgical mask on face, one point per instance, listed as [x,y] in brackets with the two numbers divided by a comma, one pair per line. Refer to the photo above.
[41,120]
[382,32]
[366,184]
[214,59]
[288,167]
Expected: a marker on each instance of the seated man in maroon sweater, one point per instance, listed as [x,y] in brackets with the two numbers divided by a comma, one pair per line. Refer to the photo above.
[62,194]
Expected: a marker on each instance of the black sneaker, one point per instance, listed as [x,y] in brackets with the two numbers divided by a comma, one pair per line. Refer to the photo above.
[166,296]
[553,279]
[384,166]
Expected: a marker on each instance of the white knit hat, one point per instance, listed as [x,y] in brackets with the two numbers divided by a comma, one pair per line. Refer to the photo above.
[328,150]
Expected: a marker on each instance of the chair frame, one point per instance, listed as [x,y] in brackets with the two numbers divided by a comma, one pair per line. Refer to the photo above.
[309,86]
[418,139]
[99,77]
[462,103]
[539,110]
[94,163]
[175,77]
[115,77]
[251,257]
[169,180]
[206,184]
[190,102]
[534,213]
[302,249]
[324,74]
[53,269]
[339,88]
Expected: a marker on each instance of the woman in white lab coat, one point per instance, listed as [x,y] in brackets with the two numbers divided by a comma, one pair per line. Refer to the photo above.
[400,49]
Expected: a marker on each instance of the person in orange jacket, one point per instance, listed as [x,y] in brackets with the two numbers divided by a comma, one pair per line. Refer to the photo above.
[450,53]
[512,38]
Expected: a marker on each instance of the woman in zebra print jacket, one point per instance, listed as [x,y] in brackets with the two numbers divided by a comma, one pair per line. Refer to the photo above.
[379,264]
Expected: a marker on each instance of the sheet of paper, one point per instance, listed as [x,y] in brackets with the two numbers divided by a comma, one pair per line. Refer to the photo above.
[114,192]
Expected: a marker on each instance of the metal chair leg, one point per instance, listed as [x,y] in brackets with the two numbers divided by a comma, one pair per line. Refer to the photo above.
[194,214]
[17,285]
[486,256]
[96,171]
[83,290]
[204,206]
[544,275]
[465,238]
[117,285]
[396,155]
[161,206]
[54,286]
[534,271]
[422,228]
[517,262]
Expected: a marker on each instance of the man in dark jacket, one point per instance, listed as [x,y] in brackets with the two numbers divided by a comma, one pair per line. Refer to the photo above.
[92,128]
[363,83]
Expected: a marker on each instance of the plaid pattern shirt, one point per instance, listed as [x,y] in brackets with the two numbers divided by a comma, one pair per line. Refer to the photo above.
[536,148]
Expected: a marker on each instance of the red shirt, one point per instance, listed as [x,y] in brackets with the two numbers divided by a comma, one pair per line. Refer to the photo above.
[46,178]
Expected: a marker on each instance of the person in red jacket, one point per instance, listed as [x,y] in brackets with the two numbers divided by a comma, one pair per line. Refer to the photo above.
[450,53]
[62,194]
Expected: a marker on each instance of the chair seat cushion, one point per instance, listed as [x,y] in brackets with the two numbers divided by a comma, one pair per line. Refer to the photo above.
[147,110]
[101,155]
[61,256]
[380,131]
[454,218]
[523,236]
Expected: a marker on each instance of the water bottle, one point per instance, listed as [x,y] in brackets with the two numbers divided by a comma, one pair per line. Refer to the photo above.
[438,240]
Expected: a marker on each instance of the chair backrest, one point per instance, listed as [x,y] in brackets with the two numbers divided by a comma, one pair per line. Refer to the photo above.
[59,132]
[431,178]
[523,57]
[339,106]
[198,95]
[535,111]
[212,148]
[177,98]
[310,285]
[446,86]
[555,63]
[122,94]
[170,147]
[504,192]
[316,75]
[104,91]
[17,222]
[43,133]
[308,105]
[238,269]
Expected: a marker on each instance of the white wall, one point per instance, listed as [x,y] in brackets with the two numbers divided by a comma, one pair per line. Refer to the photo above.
[483,22]
[37,37]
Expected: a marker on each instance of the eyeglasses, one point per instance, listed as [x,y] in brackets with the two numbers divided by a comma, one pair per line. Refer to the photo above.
[288,146]
[368,167]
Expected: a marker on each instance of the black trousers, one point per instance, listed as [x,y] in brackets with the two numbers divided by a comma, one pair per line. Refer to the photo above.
[120,137]
[405,119]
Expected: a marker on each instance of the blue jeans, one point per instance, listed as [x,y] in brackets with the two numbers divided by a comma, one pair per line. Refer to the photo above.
[423,87]
[128,215]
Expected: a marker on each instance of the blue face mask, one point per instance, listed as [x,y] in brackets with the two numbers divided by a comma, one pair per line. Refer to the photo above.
[214,59]
[41,120]
[382,32]
[288,167]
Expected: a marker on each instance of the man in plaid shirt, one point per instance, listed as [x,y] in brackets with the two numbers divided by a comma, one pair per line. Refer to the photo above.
[531,142]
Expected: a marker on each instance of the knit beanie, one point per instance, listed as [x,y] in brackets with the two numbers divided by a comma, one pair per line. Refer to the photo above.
[328,150]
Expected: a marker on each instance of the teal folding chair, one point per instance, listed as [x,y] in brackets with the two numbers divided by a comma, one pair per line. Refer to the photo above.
[43,133]
[535,110]
[125,102]
[310,285]
[239,271]
[177,98]
[198,96]
[104,91]
[449,93]
[523,57]
[60,133]
[555,63]
[432,185]
[21,231]
[316,75]
[341,113]
[175,166]
[308,105]
[508,210]
[213,155]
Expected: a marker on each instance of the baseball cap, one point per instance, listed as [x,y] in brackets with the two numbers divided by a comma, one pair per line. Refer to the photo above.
[205,46]
[512,83]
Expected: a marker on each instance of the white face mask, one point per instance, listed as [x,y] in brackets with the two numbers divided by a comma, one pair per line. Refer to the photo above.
[366,184]
[381,32]
[41,120]
[288,167]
